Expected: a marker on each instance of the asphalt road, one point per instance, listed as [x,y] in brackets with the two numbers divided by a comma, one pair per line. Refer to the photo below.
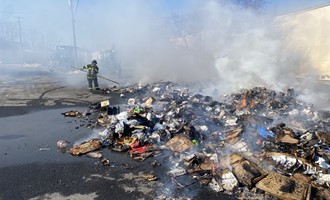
[31,166]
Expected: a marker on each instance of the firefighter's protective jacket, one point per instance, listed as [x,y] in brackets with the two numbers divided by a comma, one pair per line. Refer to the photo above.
[92,70]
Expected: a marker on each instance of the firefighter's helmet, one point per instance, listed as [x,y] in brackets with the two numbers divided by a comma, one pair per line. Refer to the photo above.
[94,62]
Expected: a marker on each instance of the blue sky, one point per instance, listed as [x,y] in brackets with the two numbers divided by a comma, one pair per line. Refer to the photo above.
[24,6]
[52,18]
[287,6]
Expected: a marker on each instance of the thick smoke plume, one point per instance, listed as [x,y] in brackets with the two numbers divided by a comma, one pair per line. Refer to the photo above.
[205,41]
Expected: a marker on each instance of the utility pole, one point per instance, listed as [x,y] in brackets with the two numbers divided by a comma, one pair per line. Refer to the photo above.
[20,32]
[74,33]
[20,38]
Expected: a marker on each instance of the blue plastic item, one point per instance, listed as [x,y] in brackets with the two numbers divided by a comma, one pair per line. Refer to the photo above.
[264,133]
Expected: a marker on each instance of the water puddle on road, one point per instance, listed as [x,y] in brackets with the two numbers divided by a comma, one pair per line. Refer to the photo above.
[32,137]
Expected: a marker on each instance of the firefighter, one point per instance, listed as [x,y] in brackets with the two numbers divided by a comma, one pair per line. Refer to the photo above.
[92,71]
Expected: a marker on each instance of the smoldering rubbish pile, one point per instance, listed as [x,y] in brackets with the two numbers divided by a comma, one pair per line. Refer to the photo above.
[258,141]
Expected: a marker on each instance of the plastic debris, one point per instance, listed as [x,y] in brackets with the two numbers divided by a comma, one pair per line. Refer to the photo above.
[94,154]
[61,144]
[237,145]
[229,180]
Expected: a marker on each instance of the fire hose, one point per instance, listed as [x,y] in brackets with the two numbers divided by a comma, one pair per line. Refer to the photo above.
[97,75]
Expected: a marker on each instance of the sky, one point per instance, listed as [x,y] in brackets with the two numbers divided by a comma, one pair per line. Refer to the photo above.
[286,6]
[52,18]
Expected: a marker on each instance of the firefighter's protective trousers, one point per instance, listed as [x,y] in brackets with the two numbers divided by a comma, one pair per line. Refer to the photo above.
[92,71]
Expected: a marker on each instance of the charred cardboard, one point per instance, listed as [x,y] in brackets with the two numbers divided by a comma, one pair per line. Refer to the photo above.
[86,147]
[207,165]
[246,172]
[288,139]
[323,194]
[233,133]
[323,136]
[143,156]
[103,121]
[179,143]
[284,187]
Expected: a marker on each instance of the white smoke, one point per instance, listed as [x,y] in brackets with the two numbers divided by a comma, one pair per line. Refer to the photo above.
[209,41]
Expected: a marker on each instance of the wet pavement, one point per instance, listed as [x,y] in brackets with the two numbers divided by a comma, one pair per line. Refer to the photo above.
[31,166]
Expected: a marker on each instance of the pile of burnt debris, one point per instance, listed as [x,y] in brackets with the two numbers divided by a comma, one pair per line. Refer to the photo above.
[257,142]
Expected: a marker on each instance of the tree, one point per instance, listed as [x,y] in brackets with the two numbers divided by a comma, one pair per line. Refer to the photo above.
[9,31]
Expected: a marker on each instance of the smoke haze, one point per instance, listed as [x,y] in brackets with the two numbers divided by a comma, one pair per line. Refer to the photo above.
[203,40]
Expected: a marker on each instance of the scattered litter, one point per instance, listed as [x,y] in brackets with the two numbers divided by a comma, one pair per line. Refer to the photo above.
[179,143]
[284,187]
[239,143]
[85,147]
[61,144]
[72,114]
[94,154]
[44,149]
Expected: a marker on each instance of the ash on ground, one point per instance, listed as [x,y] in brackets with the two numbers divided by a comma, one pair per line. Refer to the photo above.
[254,144]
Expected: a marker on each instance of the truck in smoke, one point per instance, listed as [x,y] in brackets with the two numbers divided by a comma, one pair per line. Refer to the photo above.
[109,60]
[64,56]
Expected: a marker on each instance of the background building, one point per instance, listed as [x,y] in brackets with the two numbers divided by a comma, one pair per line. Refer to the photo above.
[309,34]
